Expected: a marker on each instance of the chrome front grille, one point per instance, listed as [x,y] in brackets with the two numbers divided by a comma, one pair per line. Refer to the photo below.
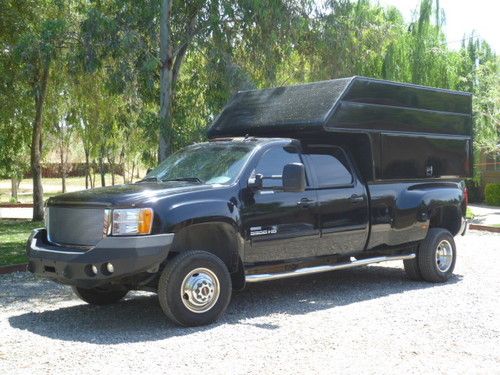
[77,226]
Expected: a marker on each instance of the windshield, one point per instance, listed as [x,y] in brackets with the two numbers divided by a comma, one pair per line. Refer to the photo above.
[207,163]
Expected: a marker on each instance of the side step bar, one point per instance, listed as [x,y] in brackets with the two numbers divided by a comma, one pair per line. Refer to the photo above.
[255,278]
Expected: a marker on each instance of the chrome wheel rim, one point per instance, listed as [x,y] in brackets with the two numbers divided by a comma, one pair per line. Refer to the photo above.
[200,290]
[444,255]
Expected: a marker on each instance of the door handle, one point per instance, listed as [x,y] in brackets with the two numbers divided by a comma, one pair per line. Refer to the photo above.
[305,202]
[355,198]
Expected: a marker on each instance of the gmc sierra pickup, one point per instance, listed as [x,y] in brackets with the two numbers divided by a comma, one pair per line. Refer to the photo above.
[293,181]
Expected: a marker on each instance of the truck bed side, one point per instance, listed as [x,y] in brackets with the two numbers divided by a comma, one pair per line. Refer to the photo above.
[402,212]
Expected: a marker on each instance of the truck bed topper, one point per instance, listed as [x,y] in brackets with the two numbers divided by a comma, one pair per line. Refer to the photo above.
[412,131]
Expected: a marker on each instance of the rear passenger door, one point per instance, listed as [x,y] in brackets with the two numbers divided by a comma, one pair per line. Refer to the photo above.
[342,199]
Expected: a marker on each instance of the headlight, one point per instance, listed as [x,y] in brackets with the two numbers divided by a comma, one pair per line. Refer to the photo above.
[130,221]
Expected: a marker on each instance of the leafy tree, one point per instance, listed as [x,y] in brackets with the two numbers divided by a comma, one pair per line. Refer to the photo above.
[478,73]
[94,111]
[14,146]
[346,38]
[129,34]
[15,109]
[420,54]
[36,49]
[137,79]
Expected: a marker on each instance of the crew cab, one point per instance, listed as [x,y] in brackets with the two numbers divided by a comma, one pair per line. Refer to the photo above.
[293,180]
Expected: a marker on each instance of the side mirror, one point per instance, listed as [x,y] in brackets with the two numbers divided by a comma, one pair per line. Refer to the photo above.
[294,177]
[256,182]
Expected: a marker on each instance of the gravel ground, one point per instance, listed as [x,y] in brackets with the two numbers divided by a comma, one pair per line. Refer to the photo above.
[369,320]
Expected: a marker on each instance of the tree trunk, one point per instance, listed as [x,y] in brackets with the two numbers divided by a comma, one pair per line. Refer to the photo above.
[101,167]
[170,68]
[438,20]
[111,163]
[88,178]
[166,59]
[122,164]
[63,169]
[36,143]
[15,185]
[124,173]
[132,173]
[92,180]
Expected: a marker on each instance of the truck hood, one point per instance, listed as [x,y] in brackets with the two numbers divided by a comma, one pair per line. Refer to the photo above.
[127,195]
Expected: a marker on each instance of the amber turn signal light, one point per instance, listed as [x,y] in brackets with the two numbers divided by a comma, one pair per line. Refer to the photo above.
[145,223]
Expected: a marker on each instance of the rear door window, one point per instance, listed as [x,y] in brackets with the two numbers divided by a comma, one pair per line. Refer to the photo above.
[331,166]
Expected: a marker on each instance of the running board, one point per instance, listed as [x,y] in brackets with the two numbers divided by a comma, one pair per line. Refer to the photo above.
[318,269]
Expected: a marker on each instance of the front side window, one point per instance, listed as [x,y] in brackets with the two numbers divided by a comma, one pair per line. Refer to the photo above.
[207,163]
[272,162]
[331,166]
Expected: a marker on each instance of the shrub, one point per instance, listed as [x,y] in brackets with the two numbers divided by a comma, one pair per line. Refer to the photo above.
[53,170]
[492,194]
[475,191]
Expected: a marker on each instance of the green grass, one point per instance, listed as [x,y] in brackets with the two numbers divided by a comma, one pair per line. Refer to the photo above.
[13,237]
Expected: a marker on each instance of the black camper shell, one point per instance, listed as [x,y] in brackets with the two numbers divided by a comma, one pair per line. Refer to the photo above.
[394,130]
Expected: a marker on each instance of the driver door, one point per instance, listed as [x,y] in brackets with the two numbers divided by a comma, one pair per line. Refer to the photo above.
[280,225]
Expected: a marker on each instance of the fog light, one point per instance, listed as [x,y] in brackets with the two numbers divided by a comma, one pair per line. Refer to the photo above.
[110,268]
[94,269]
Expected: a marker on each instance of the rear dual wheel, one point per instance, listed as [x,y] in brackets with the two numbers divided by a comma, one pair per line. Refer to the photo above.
[436,257]
[194,288]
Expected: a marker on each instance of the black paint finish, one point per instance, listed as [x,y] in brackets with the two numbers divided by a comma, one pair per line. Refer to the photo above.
[280,225]
[277,225]
[405,146]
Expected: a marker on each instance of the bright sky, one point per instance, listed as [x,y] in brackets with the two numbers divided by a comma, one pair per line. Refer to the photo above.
[461,18]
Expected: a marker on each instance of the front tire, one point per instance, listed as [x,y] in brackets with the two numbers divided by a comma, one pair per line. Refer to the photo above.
[194,288]
[100,296]
[437,255]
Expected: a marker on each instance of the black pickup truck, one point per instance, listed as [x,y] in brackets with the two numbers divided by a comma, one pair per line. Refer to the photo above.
[293,180]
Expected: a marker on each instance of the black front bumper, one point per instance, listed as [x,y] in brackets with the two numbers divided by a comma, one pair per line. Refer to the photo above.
[129,256]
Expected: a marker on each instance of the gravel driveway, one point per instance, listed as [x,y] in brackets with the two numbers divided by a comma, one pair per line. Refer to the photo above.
[371,320]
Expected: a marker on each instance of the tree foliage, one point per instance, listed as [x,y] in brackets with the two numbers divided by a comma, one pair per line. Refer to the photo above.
[99,67]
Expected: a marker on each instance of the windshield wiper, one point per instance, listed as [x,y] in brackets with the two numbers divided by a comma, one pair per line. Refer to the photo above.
[188,179]
[146,179]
